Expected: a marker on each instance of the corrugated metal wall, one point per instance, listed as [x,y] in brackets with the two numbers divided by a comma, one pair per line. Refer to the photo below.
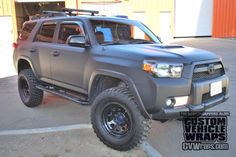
[5,8]
[224,18]
[72,3]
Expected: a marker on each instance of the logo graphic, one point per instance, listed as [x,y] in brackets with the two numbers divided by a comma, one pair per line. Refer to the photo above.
[205,131]
[211,69]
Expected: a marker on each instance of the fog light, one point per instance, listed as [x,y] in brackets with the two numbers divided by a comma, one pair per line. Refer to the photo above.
[170,102]
[177,101]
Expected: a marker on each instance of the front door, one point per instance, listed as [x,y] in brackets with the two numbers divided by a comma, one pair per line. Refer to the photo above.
[68,62]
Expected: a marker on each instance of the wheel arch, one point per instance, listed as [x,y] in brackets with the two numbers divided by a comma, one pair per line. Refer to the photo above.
[123,78]
[25,63]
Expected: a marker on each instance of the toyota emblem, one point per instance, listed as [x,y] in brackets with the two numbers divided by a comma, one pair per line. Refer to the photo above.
[211,69]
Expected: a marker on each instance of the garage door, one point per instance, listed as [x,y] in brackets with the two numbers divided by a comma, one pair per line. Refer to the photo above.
[193,18]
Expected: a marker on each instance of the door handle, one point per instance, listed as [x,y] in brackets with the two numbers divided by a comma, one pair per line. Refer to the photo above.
[56,53]
[33,50]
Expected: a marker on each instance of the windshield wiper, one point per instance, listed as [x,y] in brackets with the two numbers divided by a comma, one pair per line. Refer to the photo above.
[144,42]
[140,42]
[113,43]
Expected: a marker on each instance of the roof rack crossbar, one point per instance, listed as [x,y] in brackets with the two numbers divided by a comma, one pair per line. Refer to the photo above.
[65,12]
[46,14]
[53,13]
[70,11]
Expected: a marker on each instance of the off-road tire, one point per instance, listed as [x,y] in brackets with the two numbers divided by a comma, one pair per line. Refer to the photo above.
[33,96]
[139,125]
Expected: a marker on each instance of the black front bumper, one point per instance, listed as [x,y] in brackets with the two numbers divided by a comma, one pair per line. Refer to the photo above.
[197,103]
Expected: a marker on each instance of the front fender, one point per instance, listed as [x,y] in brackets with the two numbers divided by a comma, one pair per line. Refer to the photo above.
[127,80]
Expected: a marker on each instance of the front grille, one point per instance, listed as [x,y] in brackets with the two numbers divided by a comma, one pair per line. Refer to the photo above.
[207,97]
[201,71]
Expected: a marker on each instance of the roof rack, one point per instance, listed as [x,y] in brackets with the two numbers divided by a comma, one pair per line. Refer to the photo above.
[70,11]
[46,14]
[53,13]
[65,12]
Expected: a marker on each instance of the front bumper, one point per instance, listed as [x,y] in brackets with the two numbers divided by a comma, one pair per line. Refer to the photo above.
[197,101]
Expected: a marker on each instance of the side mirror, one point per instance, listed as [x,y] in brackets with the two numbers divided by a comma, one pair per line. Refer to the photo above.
[77,41]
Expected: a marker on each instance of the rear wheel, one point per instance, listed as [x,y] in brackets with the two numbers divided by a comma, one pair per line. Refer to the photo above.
[29,94]
[117,121]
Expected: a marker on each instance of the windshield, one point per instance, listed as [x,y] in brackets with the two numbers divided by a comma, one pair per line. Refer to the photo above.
[110,32]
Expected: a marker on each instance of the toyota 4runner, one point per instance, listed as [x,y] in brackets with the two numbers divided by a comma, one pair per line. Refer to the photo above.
[120,67]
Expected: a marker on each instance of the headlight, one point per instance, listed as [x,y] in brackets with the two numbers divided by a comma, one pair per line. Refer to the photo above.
[171,70]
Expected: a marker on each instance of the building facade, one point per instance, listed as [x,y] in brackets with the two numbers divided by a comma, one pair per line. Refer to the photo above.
[166,18]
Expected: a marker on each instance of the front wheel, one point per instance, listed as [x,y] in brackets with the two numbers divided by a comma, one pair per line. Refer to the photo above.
[29,94]
[117,120]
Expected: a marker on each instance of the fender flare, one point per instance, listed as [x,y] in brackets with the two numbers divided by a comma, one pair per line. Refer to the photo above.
[30,63]
[127,80]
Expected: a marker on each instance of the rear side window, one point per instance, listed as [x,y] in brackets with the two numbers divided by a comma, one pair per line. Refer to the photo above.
[27,29]
[46,32]
[68,29]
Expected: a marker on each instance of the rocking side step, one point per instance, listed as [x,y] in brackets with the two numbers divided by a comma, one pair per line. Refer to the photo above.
[64,94]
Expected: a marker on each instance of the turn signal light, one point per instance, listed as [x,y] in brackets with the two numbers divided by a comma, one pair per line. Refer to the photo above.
[148,66]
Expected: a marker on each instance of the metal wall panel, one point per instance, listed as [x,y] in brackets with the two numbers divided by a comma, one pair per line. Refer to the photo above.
[224,18]
[5,8]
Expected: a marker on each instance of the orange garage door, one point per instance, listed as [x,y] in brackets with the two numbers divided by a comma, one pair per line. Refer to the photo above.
[224,18]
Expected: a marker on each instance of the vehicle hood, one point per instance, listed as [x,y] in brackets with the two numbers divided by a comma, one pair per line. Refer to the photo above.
[161,51]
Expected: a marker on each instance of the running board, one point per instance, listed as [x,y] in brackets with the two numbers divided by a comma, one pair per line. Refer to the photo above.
[63,93]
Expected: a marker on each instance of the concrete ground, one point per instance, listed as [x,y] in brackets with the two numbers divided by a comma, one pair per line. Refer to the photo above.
[56,112]
[6,61]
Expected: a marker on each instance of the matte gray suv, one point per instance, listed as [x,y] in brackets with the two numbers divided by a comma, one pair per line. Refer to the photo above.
[121,68]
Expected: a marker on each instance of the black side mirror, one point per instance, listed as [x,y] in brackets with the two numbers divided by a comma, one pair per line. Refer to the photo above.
[77,41]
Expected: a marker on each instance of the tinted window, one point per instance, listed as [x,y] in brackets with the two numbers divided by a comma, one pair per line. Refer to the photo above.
[46,32]
[27,28]
[68,29]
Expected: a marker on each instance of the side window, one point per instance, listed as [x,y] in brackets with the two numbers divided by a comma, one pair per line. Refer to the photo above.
[27,28]
[106,32]
[67,29]
[46,32]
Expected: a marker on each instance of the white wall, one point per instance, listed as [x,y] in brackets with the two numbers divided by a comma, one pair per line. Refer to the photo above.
[6,31]
[104,9]
[39,1]
[6,51]
[193,18]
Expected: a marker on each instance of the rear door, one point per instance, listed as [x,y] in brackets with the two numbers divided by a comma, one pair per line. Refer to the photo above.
[68,62]
[42,49]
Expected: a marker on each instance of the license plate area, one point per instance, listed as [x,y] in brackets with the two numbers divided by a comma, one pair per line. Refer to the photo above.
[215,88]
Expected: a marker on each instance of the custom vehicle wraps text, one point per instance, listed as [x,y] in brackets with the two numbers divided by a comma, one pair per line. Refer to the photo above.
[205,131]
